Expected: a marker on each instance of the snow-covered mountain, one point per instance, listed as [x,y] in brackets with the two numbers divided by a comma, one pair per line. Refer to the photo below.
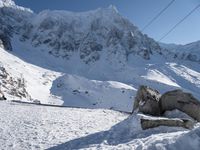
[94,59]
[89,34]
[189,52]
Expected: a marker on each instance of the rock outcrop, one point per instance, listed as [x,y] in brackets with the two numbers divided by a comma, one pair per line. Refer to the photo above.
[147,101]
[182,101]
[12,85]
[150,101]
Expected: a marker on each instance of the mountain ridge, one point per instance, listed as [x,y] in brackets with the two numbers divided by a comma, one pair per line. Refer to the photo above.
[189,52]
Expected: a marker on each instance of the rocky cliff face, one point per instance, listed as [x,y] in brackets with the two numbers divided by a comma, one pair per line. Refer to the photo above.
[13,86]
[12,20]
[88,35]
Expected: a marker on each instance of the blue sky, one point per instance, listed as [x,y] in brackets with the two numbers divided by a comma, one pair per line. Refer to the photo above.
[139,12]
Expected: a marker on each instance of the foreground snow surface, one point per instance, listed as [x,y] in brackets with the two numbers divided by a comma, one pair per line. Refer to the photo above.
[25,126]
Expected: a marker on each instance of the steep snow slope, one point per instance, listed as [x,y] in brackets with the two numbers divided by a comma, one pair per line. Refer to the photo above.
[52,87]
[95,89]
[37,127]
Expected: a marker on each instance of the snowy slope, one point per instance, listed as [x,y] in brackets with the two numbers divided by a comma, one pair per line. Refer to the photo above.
[37,127]
[111,88]
[52,87]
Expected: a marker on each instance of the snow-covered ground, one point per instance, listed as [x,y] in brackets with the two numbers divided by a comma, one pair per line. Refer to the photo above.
[25,126]
[94,60]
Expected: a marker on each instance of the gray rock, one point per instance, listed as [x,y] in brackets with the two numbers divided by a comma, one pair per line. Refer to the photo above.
[12,85]
[185,123]
[182,101]
[147,101]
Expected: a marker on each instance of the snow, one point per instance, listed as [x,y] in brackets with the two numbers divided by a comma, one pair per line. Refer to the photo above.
[37,127]
[25,126]
[111,81]
[81,92]
[156,75]
[11,3]
[184,52]
[187,73]
[6,3]
[36,78]
[65,89]
[104,78]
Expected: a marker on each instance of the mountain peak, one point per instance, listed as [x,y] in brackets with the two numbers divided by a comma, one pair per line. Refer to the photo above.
[113,8]
[11,4]
[6,3]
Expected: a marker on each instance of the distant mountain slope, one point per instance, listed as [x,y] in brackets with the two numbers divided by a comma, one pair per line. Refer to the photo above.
[89,34]
[189,52]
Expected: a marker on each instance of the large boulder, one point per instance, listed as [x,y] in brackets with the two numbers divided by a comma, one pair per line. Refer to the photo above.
[182,101]
[147,101]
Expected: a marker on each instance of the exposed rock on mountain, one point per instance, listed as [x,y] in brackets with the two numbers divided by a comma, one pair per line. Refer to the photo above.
[12,86]
[92,37]
[87,34]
